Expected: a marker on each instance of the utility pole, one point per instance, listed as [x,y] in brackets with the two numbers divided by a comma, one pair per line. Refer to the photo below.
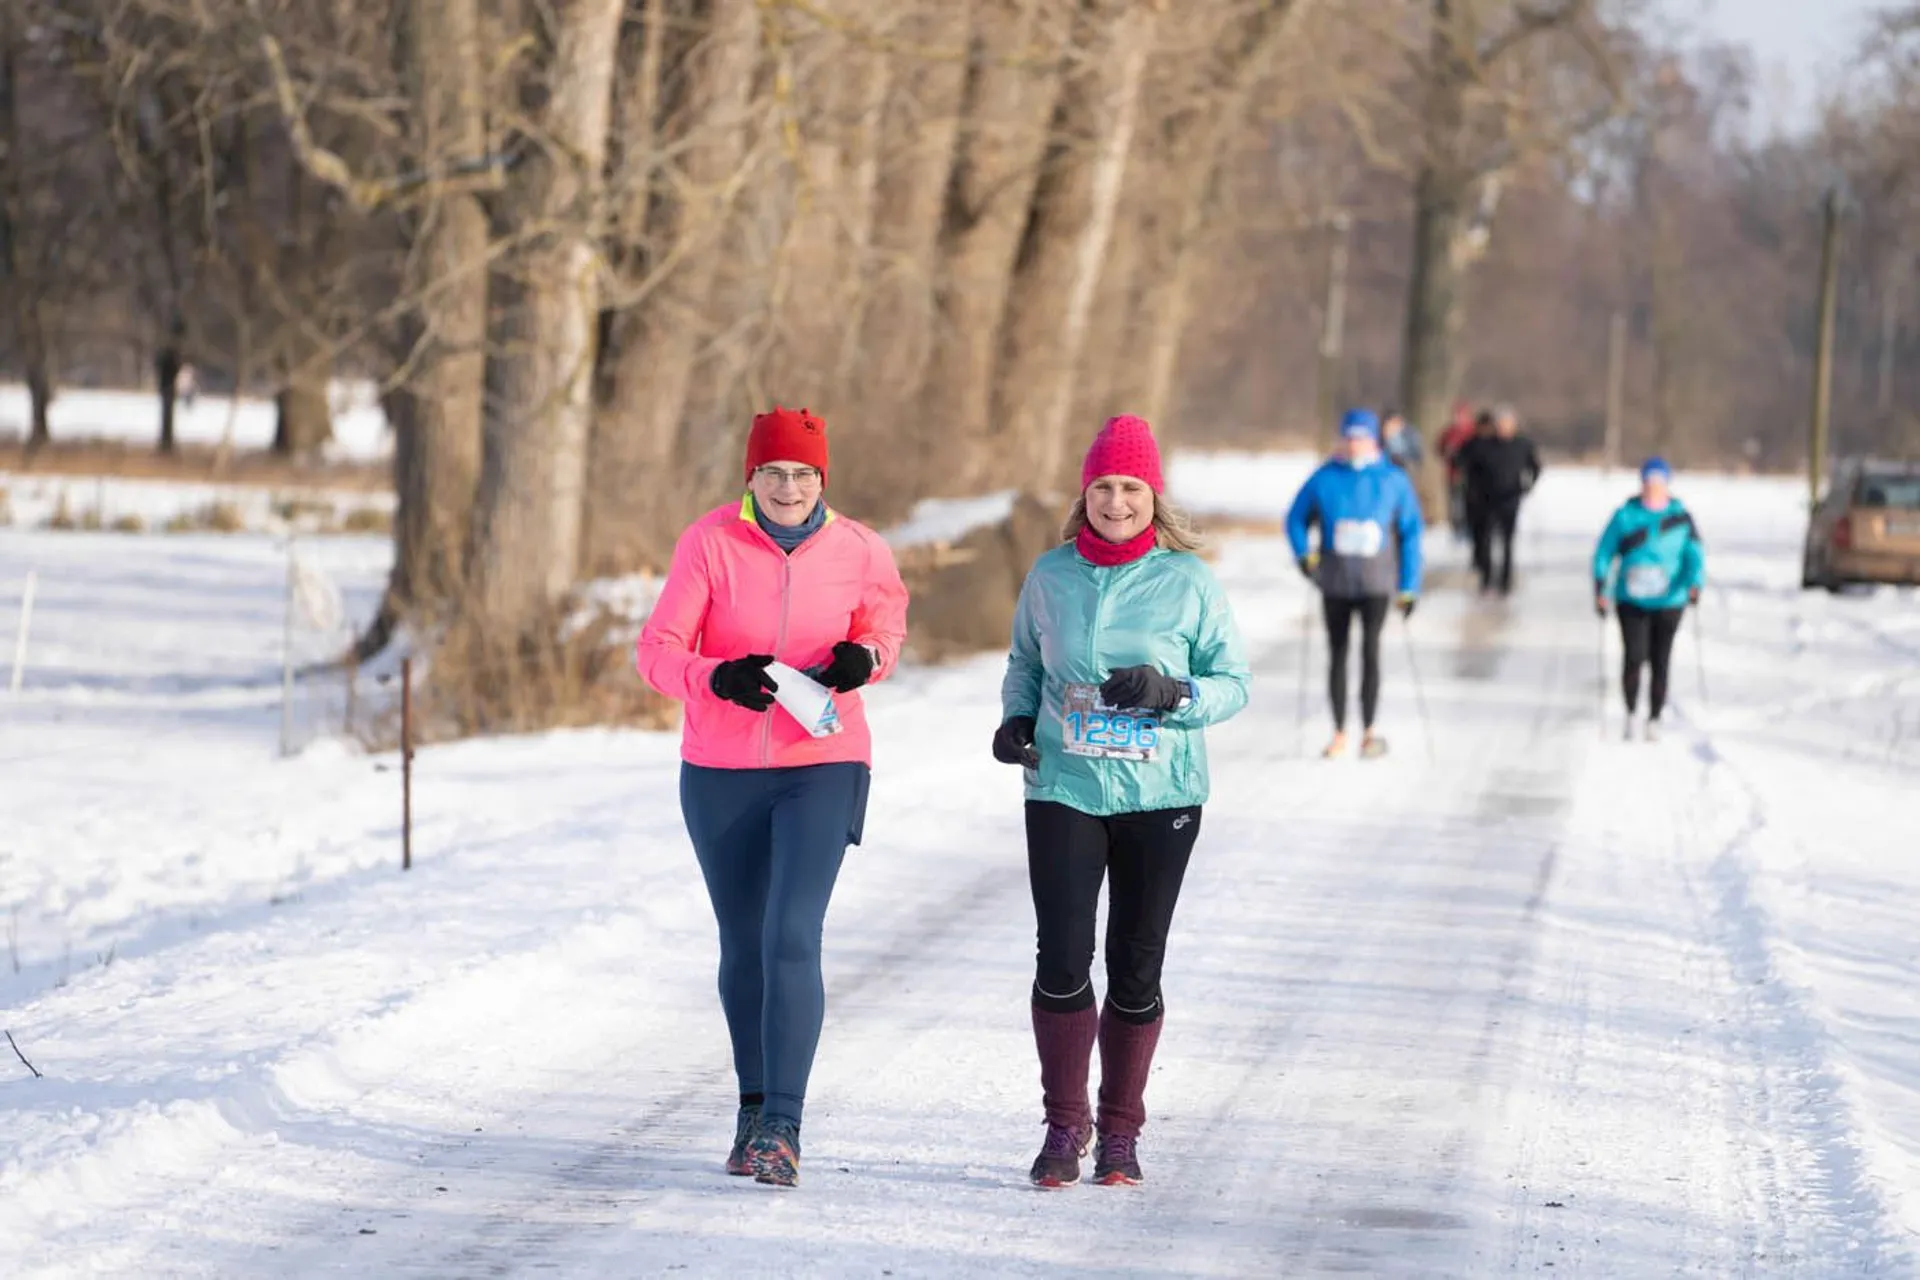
[1889,330]
[1823,351]
[1329,383]
[1616,385]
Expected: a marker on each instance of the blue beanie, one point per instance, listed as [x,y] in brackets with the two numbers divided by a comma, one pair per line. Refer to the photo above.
[1360,422]
[1656,466]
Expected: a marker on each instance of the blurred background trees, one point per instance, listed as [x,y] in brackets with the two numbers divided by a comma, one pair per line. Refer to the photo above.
[578,242]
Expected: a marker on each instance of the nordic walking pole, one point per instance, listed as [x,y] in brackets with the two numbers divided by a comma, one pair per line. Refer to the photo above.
[1600,657]
[1700,651]
[1300,717]
[1419,692]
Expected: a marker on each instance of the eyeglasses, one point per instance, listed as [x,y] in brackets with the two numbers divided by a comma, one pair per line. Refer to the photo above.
[800,477]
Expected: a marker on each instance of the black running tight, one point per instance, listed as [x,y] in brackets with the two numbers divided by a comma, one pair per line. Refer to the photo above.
[1339,615]
[1648,635]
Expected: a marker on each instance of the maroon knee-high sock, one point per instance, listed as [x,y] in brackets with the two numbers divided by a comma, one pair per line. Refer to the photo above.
[1065,1042]
[1126,1055]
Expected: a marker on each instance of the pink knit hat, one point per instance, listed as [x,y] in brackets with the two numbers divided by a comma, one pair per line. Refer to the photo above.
[1124,447]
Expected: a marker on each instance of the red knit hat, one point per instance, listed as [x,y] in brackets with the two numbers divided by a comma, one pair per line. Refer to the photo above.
[1124,447]
[787,435]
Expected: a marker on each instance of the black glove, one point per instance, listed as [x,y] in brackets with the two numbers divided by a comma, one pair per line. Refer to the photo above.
[1013,743]
[851,667]
[1407,601]
[1142,689]
[744,681]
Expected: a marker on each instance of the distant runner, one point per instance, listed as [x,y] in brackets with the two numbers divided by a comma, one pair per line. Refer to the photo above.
[1662,566]
[1499,470]
[1370,528]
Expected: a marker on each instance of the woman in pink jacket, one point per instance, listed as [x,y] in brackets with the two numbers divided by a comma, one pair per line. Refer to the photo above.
[770,808]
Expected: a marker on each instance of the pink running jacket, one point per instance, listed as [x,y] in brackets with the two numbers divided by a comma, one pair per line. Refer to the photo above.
[732,592]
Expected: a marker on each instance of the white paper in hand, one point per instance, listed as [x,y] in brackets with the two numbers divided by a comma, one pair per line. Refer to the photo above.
[805,699]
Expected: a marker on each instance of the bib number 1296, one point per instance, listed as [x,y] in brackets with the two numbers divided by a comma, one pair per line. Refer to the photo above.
[1091,728]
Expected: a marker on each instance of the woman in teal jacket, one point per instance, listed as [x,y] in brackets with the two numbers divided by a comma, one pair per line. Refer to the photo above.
[1123,651]
[1661,568]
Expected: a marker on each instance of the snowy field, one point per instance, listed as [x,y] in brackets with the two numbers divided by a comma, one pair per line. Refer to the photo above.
[30,499]
[360,431]
[1519,999]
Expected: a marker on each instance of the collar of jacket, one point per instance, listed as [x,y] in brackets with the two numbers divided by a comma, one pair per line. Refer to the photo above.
[818,519]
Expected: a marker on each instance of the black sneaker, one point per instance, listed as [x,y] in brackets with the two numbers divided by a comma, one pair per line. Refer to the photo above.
[774,1152]
[739,1162]
[1058,1164]
[1117,1164]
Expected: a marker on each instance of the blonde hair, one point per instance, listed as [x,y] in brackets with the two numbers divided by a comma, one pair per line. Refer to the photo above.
[1172,529]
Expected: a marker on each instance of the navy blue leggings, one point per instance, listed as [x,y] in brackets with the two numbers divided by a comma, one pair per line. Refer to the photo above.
[770,843]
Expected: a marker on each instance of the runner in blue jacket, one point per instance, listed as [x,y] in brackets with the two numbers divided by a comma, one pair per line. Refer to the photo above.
[1662,566]
[1369,551]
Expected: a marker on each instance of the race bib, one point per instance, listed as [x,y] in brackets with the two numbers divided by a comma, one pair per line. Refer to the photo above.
[1089,727]
[1360,538]
[1646,580]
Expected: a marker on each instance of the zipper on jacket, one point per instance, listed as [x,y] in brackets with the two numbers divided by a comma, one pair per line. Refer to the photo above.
[779,643]
[1093,659]
[780,638]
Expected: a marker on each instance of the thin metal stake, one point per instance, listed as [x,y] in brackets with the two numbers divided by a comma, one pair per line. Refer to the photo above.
[1419,691]
[1300,717]
[406,763]
[20,641]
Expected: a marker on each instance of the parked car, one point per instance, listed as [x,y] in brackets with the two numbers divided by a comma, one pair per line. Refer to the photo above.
[1866,528]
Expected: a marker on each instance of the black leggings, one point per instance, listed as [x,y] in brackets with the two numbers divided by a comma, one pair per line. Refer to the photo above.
[1143,856]
[1494,519]
[1339,615]
[1648,635]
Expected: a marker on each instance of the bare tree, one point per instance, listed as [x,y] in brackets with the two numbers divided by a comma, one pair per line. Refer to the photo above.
[533,481]
[437,400]
[1495,97]
[23,235]
[1007,98]
[1069,226]
[672,209]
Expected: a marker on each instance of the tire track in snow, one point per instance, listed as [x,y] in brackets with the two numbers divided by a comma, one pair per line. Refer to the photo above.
[1800,1093]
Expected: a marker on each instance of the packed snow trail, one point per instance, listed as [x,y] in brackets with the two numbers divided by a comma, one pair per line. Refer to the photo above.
[1517,1008]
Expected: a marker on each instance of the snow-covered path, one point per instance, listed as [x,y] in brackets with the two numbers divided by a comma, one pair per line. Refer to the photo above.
[1536,1002]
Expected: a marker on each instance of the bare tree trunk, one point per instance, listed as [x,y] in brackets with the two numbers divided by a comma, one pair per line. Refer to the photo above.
[654,343]
[921,127]
[533,481]
[436,416]
[303,420]
[1005,107]
[858,183]
[1430,369]
[30,330]
[167,363]
[1200,148]
[1107,381]
[40,397]
[1068,229]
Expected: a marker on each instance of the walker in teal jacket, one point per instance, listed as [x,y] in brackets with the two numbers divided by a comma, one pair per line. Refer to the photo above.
[1661,560]
[1077,623]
